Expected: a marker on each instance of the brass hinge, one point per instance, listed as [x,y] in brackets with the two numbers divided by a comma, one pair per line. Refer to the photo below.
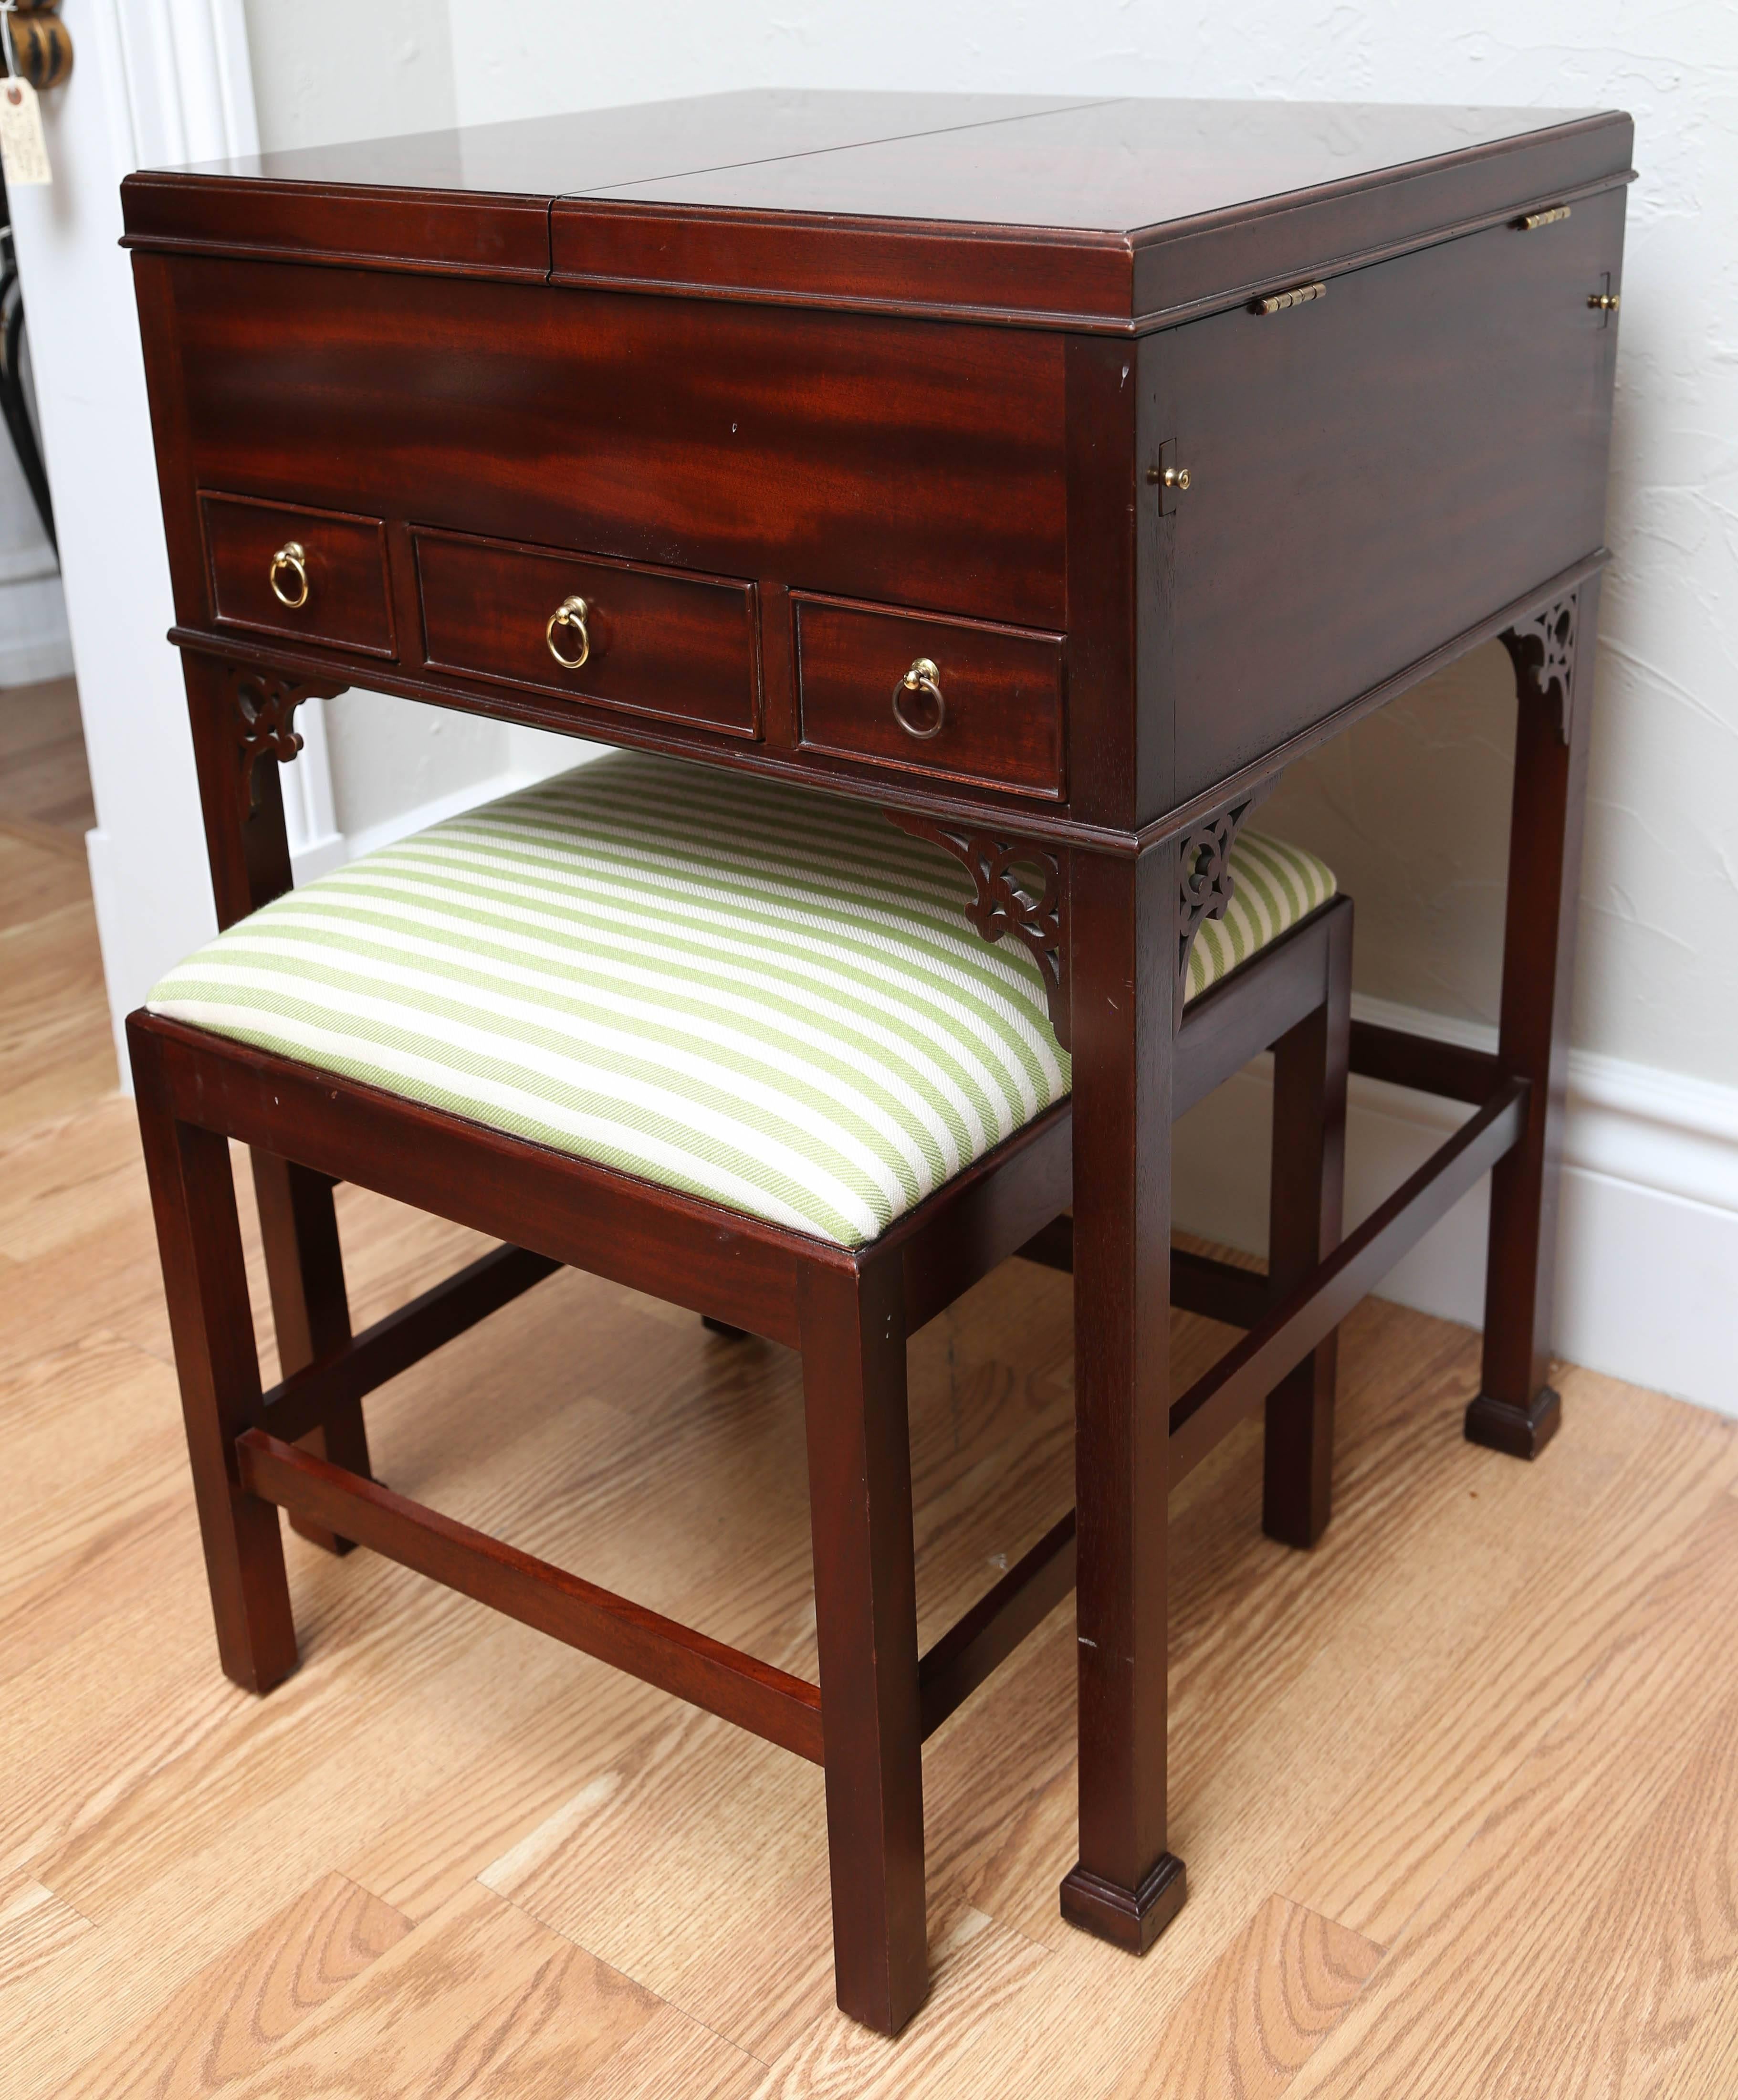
[1535,219]
[1299,295]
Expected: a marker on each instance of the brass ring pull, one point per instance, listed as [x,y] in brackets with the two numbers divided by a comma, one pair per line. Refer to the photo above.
[923,677]
[569,616]
[291,556]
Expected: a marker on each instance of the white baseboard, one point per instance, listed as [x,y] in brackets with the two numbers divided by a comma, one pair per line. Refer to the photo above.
[35,644]
[403,821]
[534,757]
[1648,1245]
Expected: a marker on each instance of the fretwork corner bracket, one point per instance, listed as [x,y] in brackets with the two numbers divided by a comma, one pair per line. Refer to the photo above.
[1005,907]
[265,708]
[1542,648]
[1205,884]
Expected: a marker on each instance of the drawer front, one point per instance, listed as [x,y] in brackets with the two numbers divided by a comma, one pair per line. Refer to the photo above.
[320,576]
[998,718]
[654,642]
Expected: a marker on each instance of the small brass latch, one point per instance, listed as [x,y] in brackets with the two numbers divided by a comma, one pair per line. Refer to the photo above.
[1605,302]
[1535,219]
[1299,295]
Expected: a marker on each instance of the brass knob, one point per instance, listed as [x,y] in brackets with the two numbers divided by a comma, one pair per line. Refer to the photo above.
[569,618]
[1170,477]
[1604,302]
[292,557]
[923,677]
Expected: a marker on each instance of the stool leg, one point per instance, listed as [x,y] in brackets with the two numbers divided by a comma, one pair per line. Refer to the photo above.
[310,1309]
[1308,1180]
[242,796]
[865,1607]
[204,1278]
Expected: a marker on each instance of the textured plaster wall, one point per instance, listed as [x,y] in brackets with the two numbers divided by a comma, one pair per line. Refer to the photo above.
[1421,845]
[331,69]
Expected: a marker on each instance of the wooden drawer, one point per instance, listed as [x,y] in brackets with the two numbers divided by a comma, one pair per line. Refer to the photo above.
[660,642]
[334,563]
[1000,717]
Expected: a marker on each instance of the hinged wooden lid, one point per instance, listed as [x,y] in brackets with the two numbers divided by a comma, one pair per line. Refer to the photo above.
[1107,215]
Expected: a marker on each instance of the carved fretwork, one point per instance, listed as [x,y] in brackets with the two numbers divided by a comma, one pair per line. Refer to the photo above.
[1542,648]
[1007,903]
[265,711]
[1205,885]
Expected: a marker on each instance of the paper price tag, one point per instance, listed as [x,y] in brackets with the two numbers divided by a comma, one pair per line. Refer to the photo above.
[23,151]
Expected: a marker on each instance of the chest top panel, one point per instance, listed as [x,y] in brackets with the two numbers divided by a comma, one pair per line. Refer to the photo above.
[1098,214]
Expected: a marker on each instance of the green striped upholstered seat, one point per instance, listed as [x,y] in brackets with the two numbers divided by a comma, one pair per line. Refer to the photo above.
[759,994]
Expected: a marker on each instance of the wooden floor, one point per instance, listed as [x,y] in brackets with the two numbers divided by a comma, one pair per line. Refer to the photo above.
[1458,1792]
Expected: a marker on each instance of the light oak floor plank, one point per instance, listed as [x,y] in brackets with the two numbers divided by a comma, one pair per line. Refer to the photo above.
[57,1051]
[233,2017]
[44,785]
[35,1926]
[1371,1863]
[501,2005]
[1251,2023]
[1708,2067]
[1597,1897]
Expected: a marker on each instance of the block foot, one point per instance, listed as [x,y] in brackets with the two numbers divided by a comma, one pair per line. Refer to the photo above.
[1523,1432]
[1131,1918]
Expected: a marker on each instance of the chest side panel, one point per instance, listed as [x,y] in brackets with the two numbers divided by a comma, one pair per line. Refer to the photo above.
[913,462]
[1374,471]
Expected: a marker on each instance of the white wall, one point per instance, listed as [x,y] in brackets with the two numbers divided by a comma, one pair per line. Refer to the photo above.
[325,70]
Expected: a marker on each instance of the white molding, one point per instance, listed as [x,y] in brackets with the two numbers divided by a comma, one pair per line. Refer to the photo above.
[28,565]
[1662,1130]
[316,842]
[185,78]
[1648,1245]
[402,822]
[35,641]
[35,662]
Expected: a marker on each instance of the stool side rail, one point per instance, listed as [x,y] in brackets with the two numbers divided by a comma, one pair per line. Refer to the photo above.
[982,1641]
[755,1695]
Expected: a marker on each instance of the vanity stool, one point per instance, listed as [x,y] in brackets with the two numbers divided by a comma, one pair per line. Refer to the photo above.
[733,1043]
